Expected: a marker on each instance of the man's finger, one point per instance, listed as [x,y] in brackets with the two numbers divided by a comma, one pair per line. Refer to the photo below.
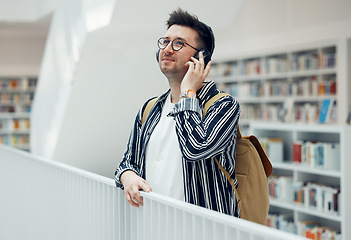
[130,200]
[135,195]
[207,69]
[190,64]
[201,58]
[138,200]
[145,186]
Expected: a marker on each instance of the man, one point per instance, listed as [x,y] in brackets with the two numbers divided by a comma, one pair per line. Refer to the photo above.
[173,152]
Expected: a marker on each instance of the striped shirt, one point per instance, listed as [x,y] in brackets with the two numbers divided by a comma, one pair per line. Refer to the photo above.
[200,140]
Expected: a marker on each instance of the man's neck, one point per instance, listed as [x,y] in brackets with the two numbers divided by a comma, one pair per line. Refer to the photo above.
[174,84]
[175,90]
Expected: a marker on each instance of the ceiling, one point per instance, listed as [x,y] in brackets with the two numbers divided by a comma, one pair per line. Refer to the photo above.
[39,27]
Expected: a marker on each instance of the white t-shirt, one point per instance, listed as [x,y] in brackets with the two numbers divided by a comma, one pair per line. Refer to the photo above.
[163,157]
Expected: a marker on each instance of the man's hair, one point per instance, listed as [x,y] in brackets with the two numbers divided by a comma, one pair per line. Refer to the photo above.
[183,18]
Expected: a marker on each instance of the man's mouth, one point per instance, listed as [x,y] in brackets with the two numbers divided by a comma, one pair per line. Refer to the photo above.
[168,59]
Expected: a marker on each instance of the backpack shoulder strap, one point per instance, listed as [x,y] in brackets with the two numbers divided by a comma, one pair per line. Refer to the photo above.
[208,104]
[212,100]
[231,180]
[147,109]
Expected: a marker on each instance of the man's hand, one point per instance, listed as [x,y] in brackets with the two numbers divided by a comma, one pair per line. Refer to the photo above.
[132,183]
[196,74]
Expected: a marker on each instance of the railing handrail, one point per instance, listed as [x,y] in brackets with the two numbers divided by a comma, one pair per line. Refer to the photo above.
[60,165]
[96,206]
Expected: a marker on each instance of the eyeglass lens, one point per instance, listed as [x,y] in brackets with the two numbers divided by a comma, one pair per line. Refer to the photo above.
[177,44]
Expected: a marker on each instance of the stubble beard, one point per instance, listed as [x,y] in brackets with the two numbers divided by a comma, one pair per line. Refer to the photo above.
[174,75]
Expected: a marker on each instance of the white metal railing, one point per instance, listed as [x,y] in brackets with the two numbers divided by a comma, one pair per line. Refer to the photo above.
[43,199]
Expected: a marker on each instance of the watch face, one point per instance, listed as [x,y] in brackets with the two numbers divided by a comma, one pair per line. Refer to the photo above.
[191,93]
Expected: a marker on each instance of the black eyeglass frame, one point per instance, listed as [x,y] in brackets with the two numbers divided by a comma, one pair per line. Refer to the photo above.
[161,46]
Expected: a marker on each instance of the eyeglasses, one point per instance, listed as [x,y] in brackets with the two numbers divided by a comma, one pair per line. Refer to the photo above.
[177,44]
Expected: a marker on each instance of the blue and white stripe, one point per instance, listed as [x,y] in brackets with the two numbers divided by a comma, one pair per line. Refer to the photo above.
[200,140]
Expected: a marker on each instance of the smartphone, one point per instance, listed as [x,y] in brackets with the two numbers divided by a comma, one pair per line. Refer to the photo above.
[207,56]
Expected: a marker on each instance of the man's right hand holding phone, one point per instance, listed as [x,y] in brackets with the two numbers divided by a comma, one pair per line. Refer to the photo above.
[196,74]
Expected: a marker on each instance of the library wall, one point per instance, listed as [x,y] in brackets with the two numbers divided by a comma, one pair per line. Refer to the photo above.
[264,25]
[109,88]
[20,54]
[117,71]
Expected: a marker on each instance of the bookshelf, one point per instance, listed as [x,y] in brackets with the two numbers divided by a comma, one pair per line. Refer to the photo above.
[16,96]
[316,181]
[289,84]
[298,94]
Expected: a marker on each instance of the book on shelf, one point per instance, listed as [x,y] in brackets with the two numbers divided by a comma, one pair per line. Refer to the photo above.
[305,113]
[280,188]
[327,86]
[7,109]
[17,108]
[299,196]
[4,140]
[303,226]
[289,111]
[297,145]
[327,60]
[13,84]
[276,65]
[234,91]
[348,120]
[283,222]
[288,106]
[19,140]
[308,229]
[317,154]
[325,111]
[331,153]
[313,230]
[318,196]
[310,154]
[304,61]
[251,67]
[20,83]
[273,148]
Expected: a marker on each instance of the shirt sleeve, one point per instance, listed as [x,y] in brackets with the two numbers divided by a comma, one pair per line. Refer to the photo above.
[204,138]
[186,104]
[130,159]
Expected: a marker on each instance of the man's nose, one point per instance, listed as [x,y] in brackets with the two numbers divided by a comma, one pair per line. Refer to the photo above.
[169,48]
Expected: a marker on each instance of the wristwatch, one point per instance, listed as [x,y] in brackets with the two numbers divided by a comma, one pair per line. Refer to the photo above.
[187,93]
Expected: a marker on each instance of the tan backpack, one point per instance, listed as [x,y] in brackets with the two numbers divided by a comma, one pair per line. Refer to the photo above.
[252,167]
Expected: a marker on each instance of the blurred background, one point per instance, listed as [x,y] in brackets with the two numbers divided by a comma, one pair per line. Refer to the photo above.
[93,62]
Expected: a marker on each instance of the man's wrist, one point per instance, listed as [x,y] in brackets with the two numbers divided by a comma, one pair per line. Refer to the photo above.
[125,174]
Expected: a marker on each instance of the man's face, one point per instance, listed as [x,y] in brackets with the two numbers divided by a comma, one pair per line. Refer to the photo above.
[172,63]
